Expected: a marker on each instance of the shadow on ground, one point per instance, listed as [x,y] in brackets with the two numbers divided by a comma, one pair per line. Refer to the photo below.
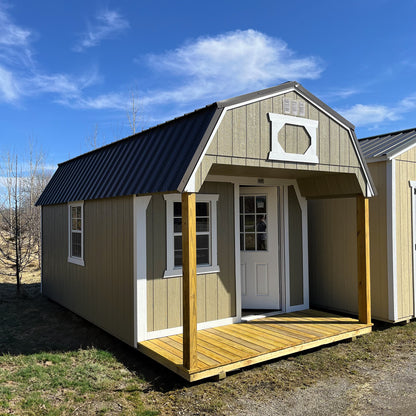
[30,323]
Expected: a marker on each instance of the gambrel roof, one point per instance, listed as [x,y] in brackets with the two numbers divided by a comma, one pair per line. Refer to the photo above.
[162,158]
[387,146]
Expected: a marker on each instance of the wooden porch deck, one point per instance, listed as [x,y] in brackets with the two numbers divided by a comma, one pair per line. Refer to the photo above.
[227,348]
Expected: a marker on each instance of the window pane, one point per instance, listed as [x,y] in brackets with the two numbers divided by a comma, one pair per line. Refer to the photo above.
[202,224]
[177,225]
[249,204]
[202,209]
[178,258]
[177,209]
[202,242]
[78,212]
[249,223]
[178,242]
[241,205]
[241,223]
[250,241]
[76,245]
[73,212]
[262,241]
[202,256]
[261,224]
[260,204]
[242,242]
[74,224]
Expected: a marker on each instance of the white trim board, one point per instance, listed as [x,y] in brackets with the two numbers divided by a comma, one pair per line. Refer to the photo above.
[391,239]
[140,204]
[413,188]
[179,329]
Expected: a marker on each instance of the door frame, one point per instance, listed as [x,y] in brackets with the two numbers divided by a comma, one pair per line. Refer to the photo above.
[284,244]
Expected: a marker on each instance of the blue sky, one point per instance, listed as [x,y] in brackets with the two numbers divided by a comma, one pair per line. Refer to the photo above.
[68,68]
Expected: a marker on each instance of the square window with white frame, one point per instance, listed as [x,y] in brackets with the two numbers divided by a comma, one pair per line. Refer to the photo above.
[76,233]
[206,234]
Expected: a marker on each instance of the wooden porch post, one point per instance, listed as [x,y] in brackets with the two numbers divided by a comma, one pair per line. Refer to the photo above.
[189,280]
[363,260]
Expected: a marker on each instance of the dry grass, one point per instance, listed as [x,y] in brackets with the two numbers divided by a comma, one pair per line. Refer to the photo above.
[53,362]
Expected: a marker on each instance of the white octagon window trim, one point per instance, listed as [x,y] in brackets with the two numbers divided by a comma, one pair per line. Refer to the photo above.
[212,267]
[76,232]
[278,153]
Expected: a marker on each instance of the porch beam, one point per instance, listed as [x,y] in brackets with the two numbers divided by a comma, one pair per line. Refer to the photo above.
[363,260]
[189,281]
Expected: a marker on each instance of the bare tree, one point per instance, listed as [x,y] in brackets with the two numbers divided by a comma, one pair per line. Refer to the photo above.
[133,110]
[21,185]
[92,141]
[16,241]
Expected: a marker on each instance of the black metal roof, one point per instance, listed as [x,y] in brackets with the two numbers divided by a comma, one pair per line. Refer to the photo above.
[154,160]
[387,145]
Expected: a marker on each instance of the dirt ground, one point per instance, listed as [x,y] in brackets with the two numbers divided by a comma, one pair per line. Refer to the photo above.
[374,375]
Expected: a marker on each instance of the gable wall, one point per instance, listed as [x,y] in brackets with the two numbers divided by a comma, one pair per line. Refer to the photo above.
[102,290]
[243,139]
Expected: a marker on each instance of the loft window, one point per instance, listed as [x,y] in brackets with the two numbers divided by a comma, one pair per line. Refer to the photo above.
[76,233]
[206,234]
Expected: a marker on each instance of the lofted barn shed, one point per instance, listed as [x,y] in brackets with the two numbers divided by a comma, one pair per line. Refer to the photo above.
[189,240]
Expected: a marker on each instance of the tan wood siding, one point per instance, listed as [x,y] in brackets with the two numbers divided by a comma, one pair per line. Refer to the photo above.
[102,290]
[215,291]
[333,246]
[243,139]
[405,172]
[333,254]
[295,249]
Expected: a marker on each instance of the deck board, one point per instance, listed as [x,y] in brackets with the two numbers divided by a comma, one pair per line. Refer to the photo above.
[229,347]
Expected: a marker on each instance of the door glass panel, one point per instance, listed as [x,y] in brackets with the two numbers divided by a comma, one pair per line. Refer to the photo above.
[253,222]
[250,241]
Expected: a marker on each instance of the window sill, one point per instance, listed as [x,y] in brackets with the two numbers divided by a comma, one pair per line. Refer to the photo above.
[200,270]
[75,260]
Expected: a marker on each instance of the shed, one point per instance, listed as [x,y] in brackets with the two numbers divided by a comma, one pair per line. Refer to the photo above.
[189,240]
[391,158]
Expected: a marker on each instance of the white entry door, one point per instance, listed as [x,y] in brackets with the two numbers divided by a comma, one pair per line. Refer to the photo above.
[259,248]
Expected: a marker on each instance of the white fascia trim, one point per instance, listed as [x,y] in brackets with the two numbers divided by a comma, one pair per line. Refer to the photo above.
[401,151]
[391,240]
[202,325]
[190,185]
[413,186]
[140,204]
[76,260]
[278,153]
[354,142]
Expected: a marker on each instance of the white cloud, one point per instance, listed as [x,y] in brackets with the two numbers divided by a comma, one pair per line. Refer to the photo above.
[111,101]
[367,114]
[229,64]
[9,89]
[109,23]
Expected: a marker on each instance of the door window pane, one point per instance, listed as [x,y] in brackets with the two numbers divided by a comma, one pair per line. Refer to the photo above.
[253,222]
